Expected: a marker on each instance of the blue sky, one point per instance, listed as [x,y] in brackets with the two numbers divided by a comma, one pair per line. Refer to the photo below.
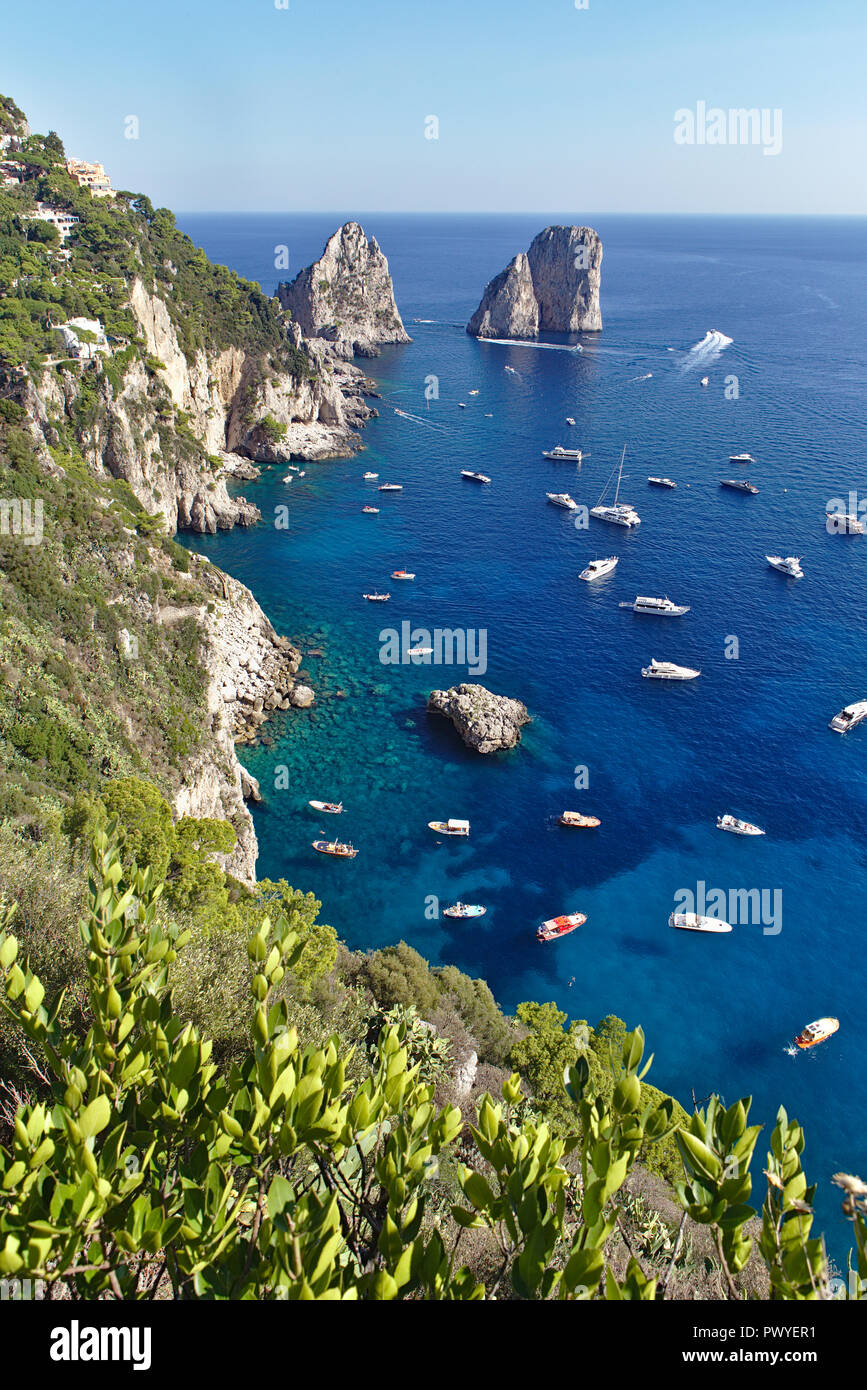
[541,106]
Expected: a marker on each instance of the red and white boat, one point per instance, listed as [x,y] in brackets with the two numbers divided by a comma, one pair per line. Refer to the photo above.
[335,848]
[402,574]
[817,1032]
[370,509]
[560,926]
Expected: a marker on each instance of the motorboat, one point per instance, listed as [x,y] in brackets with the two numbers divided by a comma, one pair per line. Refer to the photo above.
[691,921]
[390,487]
[619,513]
[789,565]
[330,808]
[474,477]
[301,473]
[561,455]
[736,826]
[849,717]
[668,671]
[741,458]
[846,523]
[462,405]
[402,574]
[464,910]
[450,827]
[335,849]
[562,499]
[569,420]
[556,927]
[661,607]
[817,1032]
[377,598]
[373,511]
[474,393]
[662,482]
[419,651]
[597,568]
[705,380]
[739,484]
[370,476]
[577,821]
[290,478]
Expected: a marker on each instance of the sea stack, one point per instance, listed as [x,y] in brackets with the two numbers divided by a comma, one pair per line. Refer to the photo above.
[485,722]
[346,297]
[551,288]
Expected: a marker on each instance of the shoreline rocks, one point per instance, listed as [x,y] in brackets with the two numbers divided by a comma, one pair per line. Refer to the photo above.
[485,722]
[552,288]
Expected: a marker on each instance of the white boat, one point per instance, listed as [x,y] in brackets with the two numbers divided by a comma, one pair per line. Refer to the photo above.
[668,671]
[390,487]
[460,909]
[705,380]
[450,826]
[561,455]
[736,826]
[690,921]
[402,574]
[849,717]
[620,513]
[662,482]
[371,475]
[474,477]
[462,405]
[569,420]
[847,523]
[562,499]
[787,564]
[377,598]
[331,808]
[290,478]
[375,510]
[474,393]
[661,607]
[597,568]
[739,484]
[301,473]
[419,651]
[741,458]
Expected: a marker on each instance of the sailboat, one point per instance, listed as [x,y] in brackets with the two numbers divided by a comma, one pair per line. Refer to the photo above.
[620,513]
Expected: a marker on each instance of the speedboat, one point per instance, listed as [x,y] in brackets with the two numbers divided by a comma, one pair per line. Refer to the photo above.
[737,827]
[402,574]
[817,1032]
[419,651]
[474,393]
[597,568]
[617,512]
[465,910]
[370,475]
[290,478]
[849,717]
[560,926]
[372,510]
[450,827]
[462,405]
[569,420]
[331,808]
[335,849]
[690,921]
[474,477]
[739,484]
[574,818]
[377,598]
[564,455]
[662,607]
[847,523]
[668,671]
[390,487]
[662,482]
[741,458]
[562,499]
[787,564]
[705,380]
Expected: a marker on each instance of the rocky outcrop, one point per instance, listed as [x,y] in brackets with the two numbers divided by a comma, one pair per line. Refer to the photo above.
[552,288]
[346,298]
[485,721]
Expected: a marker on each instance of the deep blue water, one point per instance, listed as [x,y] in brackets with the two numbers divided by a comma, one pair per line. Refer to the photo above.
[749,737]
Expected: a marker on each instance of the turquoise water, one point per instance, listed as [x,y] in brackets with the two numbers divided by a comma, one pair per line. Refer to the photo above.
[663,761]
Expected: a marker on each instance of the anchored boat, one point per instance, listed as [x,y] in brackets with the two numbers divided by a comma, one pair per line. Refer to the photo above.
[377,598]
[390,487]
[849,717]
[662,607]
[741,458]
[668,671]
[335,849]
[736,826]
[847,523]
[574,818]
[331,808]
[562,499]
[662,482]
[790,565]
[817,1032]
[619,513]
[560,926]
[374,510]
[474,477]
[402,574]
[690,921]
[450,827]
[597,568]
[739,484]
[371,475]
[465,910]
[560,455]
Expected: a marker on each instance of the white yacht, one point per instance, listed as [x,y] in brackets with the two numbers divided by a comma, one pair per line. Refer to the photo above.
[849,717]
[668,671]
[370,475]
[561,455]
[787,564]
[705,380]
[474,477]
[739,484]
[662,482]
[690,921]
[662,607]
[391,487]
[736,826]
[597,568]
[569,420]
[847,523]
[620,513]
[562,499]
[741,458]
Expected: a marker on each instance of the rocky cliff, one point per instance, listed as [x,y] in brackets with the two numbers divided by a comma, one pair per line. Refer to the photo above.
[485,722]
[346,298]
[552,288]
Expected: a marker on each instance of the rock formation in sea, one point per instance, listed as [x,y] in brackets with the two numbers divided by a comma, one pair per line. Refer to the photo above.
[551,288]
[346,298]
[485,721]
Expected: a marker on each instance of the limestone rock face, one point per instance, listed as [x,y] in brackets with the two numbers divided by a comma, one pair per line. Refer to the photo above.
[485,721]
[553,288]
[346,297]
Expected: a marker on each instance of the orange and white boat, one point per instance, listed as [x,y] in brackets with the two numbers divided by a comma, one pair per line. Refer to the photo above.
[335,848]
[560,926]
[402,574]
[580,822]
[375,510]
[817,1032]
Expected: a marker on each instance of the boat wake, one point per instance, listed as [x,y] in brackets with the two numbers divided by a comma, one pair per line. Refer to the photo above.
[529,342]
[645,377]
[791,1051]
[707,351]
[418,419]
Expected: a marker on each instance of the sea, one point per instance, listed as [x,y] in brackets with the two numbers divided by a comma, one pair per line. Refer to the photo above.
[773,312]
